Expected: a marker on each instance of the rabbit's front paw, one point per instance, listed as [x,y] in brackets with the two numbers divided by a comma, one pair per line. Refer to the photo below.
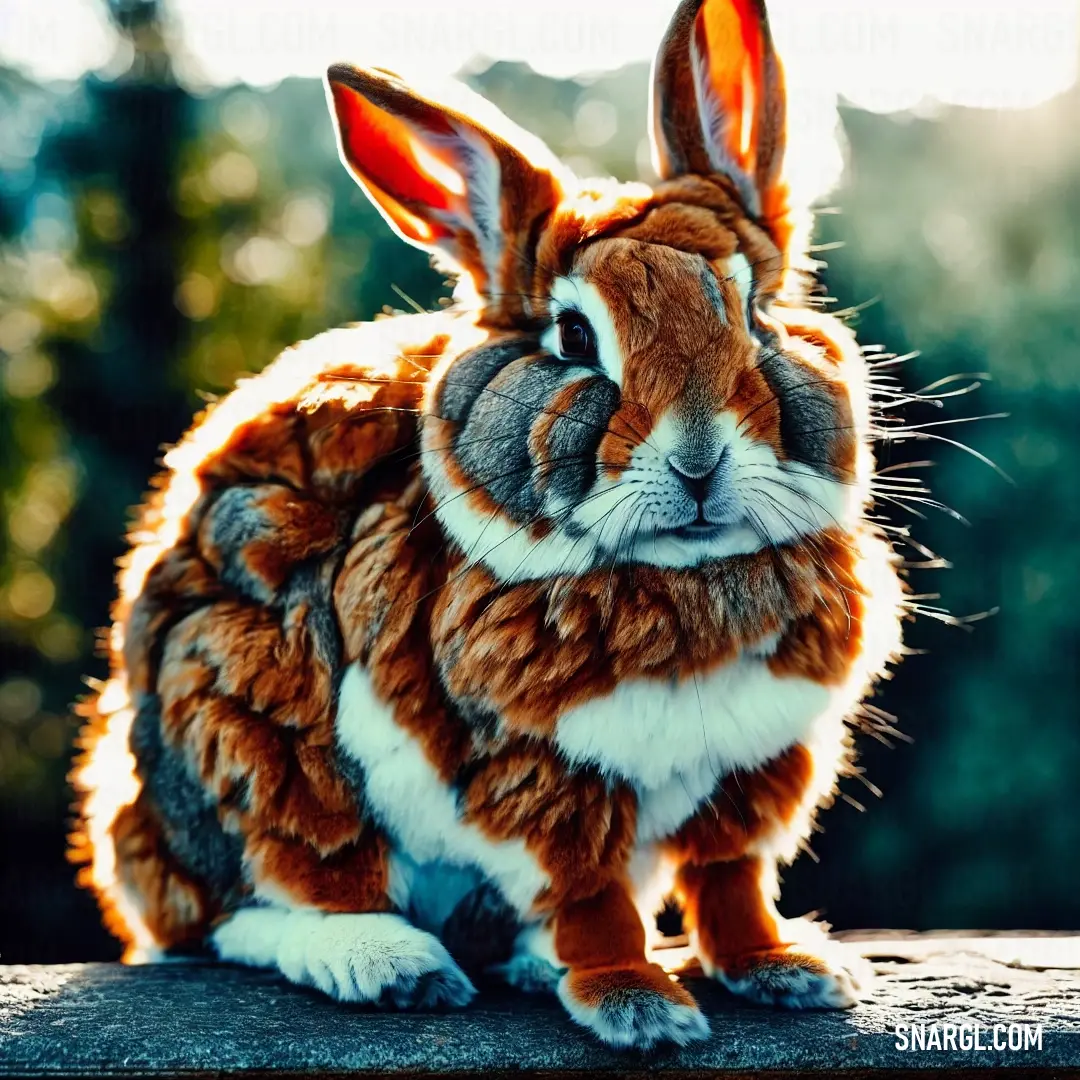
[632,1007]
[793,977]
[377,958]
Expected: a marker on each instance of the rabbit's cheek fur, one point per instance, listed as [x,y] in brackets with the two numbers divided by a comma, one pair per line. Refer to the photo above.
[509,450]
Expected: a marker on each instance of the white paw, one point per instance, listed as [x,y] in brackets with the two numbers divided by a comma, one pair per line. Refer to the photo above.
[251,936]
[795,979]
[633,1017]
[381,958]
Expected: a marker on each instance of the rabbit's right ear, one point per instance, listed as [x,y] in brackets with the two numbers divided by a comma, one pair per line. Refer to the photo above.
[718,103]
[444,181]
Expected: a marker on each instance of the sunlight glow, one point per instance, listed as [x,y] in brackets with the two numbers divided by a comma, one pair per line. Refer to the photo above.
[890,55]
[444,175]
[883,55]
[749,105]
[109,783]
[55,39]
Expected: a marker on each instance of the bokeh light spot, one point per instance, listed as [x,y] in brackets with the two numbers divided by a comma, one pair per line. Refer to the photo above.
[197,297]
[245,118]
[305,219]
[20,699]
[234,176]
[595,122]
[31,593]
[28,374]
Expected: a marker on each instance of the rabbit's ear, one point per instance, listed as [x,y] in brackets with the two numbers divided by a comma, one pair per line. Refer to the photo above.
[443,181]
[718,102]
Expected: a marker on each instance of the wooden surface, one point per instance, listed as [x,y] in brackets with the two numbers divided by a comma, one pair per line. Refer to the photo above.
[203,1020]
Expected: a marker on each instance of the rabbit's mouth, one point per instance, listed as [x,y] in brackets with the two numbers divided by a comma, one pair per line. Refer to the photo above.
[699,530]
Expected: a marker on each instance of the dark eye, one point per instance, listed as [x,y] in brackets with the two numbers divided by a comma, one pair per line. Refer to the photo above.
[576,338]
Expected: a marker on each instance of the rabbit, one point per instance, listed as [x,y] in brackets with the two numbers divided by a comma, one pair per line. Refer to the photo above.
[453,643]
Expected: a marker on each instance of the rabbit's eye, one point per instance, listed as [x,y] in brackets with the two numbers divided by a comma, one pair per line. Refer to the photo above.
[576,338]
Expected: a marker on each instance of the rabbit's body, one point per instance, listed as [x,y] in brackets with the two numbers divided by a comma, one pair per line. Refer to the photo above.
[446,628]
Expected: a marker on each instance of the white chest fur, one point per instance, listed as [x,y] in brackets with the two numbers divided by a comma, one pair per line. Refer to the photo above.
[406,795]
[674,740]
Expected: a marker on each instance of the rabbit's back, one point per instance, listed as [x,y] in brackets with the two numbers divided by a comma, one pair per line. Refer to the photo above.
[210,763]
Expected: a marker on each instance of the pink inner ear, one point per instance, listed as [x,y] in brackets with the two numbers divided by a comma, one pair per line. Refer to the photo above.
[379,148]
[729,34]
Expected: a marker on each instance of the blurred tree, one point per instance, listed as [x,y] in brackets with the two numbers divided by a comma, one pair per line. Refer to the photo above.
[966,226]
[96,273]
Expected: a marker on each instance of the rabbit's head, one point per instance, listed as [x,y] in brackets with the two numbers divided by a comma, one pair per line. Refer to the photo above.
[647,389]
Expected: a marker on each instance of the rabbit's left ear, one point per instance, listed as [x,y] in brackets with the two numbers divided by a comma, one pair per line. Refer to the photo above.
[718,102]
[443,180]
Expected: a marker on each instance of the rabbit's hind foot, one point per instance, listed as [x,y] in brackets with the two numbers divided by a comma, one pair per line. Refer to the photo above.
[634,1007]
[792,977]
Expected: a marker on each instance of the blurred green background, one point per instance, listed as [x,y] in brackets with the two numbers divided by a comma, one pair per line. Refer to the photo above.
[156,242]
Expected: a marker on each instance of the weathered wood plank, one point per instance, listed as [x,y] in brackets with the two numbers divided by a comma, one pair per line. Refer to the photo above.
[201,1020]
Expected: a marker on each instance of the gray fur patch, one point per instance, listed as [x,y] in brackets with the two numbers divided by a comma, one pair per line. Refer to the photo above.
[579,432]
[234,520]
[311,585]
[470,374]
[497,394]
[493,448]
[808,412]
[188,811]
[481,929]
[711,288]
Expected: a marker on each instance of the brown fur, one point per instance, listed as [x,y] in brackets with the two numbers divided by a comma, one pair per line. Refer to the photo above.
[231,698]
[602,942]
[244,691]
[580,828]
[688,349]
[746,808]
[352,877]
[723,902]
[173,903]
[624,623]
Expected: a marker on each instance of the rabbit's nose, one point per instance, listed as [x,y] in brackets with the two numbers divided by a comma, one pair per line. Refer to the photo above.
[696,470]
